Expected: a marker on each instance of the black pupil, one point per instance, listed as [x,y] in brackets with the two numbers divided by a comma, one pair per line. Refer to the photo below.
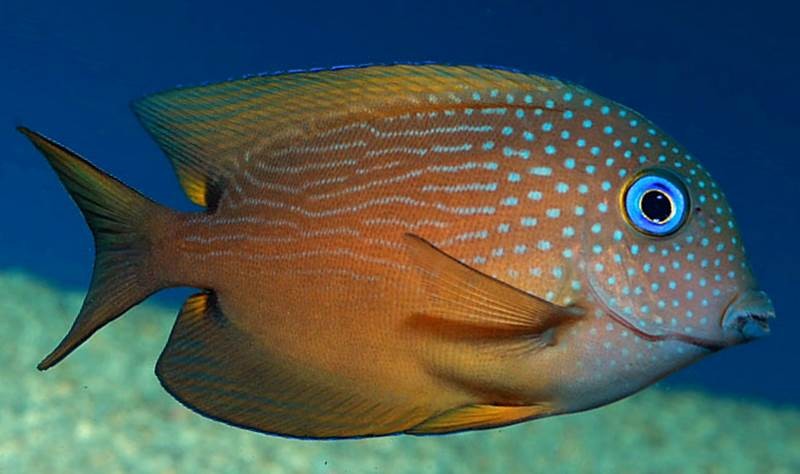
[656,206]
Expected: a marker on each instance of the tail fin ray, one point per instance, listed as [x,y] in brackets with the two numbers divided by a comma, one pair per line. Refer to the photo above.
[122,222]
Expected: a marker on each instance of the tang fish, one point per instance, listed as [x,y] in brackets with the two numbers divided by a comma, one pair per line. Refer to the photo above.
[414,249]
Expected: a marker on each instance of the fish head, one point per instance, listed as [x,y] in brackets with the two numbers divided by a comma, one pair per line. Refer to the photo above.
[661,248]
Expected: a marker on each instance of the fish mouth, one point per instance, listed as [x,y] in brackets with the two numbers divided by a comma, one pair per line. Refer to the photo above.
[700,342]
[748,315]
[746,318]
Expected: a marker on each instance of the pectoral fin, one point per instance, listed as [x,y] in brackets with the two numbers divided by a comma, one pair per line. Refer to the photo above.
[471,301]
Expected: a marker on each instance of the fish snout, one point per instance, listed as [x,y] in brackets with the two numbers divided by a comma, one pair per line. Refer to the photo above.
[748,316]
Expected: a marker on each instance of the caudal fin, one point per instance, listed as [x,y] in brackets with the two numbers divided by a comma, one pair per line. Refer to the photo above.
[124,224]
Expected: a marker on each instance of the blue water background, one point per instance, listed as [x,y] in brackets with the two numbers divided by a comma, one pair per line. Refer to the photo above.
[720,77]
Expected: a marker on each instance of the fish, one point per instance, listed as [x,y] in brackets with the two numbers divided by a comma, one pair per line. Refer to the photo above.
[414,249]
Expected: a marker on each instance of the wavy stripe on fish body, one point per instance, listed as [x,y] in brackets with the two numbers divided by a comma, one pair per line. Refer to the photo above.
[408,128]
[524,192]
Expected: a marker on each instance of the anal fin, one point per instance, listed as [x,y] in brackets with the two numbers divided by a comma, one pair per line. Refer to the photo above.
[223,372]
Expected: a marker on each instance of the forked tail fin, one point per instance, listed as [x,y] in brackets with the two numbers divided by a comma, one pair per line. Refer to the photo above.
[125,226]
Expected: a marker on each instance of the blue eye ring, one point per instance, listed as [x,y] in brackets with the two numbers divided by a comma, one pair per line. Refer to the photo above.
[656,203]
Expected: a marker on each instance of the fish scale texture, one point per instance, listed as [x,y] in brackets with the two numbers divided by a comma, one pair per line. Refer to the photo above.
[104,411]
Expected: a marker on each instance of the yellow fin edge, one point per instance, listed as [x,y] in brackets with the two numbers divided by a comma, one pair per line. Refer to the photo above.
[474,417]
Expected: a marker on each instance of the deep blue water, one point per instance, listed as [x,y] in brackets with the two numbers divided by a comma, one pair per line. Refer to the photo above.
[720,77]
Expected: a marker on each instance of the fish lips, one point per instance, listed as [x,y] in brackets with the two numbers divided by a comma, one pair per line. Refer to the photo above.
[747,317]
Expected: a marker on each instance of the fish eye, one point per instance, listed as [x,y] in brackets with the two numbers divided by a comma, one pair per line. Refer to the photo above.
[656,203]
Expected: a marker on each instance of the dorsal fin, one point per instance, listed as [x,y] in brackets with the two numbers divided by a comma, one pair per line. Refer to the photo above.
[204,129]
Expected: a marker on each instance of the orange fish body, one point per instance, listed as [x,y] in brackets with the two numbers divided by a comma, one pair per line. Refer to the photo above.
[420,249]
